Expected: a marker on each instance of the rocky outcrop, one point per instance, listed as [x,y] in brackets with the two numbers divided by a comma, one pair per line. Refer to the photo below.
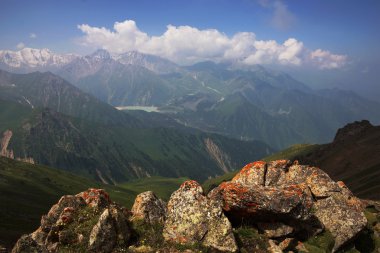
[356,128]
[220,157]
[88,221]
[193,218]
[302,197]
[149,208]
[277,206]
[4,151]
[7,135]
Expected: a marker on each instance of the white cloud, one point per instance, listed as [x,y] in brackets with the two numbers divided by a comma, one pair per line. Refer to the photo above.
[20,45]
[187,45]
[32,35]
[326,60]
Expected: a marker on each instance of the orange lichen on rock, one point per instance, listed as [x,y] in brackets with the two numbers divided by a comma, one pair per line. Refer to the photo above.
[251,172]
[95,197]
[341,184]
[293,189]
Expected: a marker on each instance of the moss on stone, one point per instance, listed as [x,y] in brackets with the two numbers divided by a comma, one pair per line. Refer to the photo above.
[322,243]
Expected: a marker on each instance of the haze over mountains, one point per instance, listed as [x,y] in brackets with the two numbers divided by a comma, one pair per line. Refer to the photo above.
[249,103]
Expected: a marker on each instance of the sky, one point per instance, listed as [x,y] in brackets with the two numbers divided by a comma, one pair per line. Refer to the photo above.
[323,42]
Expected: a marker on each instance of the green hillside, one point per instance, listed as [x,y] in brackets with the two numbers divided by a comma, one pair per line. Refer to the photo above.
[293,152]
[116,153]
[161,186]
[28,191]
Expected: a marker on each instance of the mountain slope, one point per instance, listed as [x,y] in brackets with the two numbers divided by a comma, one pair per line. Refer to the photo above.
[27,191]
[115,152]
[353,157]
[292,112]
[153,63]
[48,90]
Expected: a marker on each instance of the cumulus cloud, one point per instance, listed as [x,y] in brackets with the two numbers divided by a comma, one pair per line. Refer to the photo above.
[32,35]
[326,60]
[187,45]
[20,45]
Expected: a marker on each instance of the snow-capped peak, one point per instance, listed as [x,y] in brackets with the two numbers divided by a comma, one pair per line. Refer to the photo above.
[101,54]
[32,58]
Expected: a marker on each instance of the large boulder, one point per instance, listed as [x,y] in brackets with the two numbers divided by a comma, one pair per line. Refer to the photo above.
[302,197]
[88,221]
[149,208]
[292,202]
[193,218]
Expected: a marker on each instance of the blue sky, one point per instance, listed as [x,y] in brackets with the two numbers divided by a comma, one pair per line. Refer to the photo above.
[341,26]
[346,31]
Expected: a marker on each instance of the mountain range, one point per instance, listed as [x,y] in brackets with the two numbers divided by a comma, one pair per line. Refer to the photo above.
[243,103]
[47,120]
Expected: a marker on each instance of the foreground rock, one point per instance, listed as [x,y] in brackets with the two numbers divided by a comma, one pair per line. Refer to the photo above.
[302,197]
[88,222]
[149,208]
[267,207]
[193,218]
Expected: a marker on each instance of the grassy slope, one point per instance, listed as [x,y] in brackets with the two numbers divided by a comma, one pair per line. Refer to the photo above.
[162,186]
[293,152]
[28,191]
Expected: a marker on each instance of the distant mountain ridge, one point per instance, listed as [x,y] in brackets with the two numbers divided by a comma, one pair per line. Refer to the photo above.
[30,59]
[212,97]
[33,59]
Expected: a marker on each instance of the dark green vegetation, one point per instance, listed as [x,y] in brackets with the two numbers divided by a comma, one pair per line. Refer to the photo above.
[322,243]
[293,152]
[58,125]
[161,186]
[28,191]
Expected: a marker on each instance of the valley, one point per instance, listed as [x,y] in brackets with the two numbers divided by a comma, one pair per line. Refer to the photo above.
[138,123]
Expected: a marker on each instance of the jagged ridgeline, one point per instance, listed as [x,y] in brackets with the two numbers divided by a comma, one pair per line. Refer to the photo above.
[274,207]
[46,120]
